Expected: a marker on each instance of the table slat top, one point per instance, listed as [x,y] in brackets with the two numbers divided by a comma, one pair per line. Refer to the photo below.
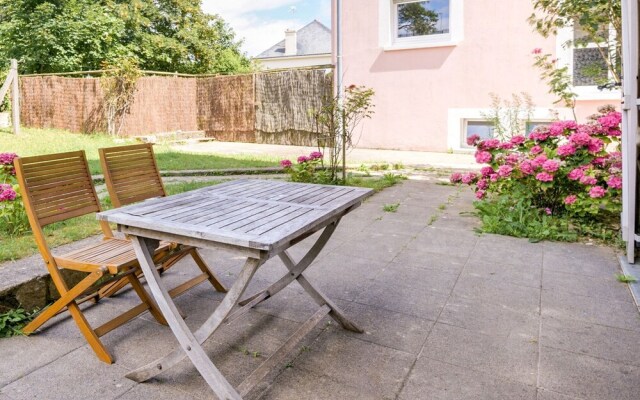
[257,214]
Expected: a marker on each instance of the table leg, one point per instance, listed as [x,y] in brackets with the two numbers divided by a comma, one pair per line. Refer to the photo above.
[295,273]
[336,313]
[299,268]
[189,343]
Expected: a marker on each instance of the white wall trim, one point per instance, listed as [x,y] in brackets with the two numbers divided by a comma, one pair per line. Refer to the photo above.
[457,116]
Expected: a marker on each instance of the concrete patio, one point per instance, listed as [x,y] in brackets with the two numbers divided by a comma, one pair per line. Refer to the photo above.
[448,314]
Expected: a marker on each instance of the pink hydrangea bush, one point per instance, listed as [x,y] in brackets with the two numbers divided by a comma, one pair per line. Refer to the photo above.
[565,169]
[307,169]
[13,218]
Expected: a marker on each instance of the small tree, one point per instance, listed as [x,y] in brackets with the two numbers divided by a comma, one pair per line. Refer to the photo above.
[119,85]
[336,124]
[558,79]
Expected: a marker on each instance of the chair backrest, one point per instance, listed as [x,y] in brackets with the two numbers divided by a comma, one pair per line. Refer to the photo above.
[56,187]
[131,173]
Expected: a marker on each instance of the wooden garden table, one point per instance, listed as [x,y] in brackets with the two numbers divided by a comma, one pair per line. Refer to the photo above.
[257,219]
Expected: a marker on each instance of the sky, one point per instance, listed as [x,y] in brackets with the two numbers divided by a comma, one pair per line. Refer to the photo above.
[261,23]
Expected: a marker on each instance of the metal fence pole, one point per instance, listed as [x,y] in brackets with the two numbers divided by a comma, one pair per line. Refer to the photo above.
[15,97]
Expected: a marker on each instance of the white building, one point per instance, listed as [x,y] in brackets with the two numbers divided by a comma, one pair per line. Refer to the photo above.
[306,47]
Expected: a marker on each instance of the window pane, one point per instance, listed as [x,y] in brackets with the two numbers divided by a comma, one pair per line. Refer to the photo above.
[589,68]
[483,129]
[422,18]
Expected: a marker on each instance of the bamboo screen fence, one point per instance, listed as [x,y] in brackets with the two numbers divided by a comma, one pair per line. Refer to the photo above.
[270,107]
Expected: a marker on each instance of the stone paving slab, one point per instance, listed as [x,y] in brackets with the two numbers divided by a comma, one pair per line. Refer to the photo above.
[448,314]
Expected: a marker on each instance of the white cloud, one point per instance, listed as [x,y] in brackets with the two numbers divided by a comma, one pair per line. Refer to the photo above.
[257,33]
[232,8]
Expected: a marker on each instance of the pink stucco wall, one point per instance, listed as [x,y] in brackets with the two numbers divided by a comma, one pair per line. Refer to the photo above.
[415,88]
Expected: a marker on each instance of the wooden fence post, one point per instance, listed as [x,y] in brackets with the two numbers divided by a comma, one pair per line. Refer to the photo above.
[15,97]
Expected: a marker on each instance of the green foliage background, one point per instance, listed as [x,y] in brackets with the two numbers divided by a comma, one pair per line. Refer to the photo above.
[159,35]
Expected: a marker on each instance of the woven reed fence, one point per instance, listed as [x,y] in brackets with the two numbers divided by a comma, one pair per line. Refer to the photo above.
[271,107]
[284,102]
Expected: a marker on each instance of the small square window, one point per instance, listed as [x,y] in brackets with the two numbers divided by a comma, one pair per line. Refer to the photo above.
[484,129]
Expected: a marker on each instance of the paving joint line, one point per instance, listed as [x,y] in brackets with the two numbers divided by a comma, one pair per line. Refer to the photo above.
[408,375]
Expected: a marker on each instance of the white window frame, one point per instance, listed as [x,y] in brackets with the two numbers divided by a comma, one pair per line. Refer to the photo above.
[388,22]
[458,117]
[565,59]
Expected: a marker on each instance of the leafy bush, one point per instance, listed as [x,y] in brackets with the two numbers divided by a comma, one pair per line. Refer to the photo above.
[13,218]
[12,322]
[561,181]
[307,169]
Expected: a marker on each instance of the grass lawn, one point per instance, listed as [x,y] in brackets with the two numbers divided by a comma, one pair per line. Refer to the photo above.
[32,142]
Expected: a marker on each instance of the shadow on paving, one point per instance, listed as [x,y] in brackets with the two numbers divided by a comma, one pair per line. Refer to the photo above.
[448,314]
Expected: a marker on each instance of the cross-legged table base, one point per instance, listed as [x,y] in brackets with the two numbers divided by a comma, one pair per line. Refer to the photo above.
[190,343]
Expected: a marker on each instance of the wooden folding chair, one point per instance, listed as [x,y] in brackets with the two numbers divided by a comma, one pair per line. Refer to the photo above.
[58,187]
[131,174]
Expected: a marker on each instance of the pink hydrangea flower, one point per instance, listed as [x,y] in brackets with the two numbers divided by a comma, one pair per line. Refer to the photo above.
[558,128]
[7,158]
[597,192]
[575,174]
[566,150]
[7,193]
[550,165]
[518,140]
[580,139]
[599,161]
[588,180]
[480,194]
[482,184]
[285,163]
[614,132]
[483,157]
[595,145]
[544,177]
[539,136]
[526,167]
[536,149]
[486,171]
[614,182]
[507,145]
[473,140]
[315,155]
[504,171]
[611,120]
[303,159]
[570,199]
[547,211]
[512,159]
[539,160]
[493,177]
[455,177]
[489,144]
[469,178]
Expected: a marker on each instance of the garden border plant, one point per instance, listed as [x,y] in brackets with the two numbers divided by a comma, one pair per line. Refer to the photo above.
[561,182]
[13,217]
